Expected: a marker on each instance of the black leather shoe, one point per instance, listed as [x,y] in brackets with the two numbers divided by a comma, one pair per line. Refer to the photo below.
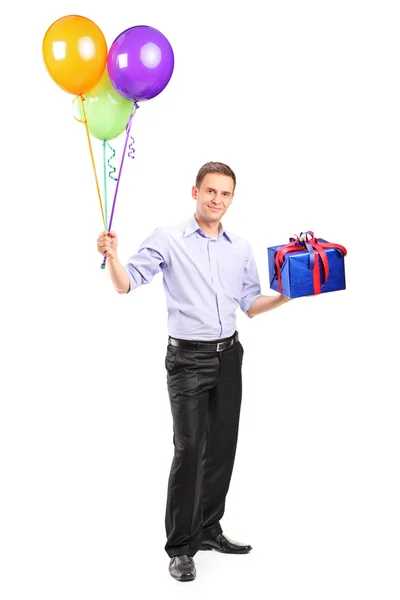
[182,568]
[223,544]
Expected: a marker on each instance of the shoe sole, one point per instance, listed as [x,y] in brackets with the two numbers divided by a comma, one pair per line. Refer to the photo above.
[186,578]
[205,547]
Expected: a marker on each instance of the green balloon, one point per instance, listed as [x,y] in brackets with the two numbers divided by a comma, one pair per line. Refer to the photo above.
[107,112]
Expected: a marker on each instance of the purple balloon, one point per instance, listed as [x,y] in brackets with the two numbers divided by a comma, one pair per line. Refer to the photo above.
[140,63]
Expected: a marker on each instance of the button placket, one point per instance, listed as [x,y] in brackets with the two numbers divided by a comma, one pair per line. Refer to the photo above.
[214,275]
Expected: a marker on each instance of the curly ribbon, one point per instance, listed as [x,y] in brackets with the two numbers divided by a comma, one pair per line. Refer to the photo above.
[111,167]
[73,102]
[128,130]
[131,148]
[92,157]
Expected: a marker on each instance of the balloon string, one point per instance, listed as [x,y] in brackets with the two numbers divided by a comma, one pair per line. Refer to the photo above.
[128,130]
[110,174]
[92,157]
[112,168]
[105,179]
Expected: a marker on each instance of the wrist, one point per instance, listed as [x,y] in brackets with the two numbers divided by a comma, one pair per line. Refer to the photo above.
[113,261]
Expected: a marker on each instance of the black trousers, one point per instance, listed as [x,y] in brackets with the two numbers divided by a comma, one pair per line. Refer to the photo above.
[205,391]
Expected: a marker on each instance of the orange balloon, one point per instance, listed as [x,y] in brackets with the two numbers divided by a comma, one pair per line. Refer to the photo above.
[75,53]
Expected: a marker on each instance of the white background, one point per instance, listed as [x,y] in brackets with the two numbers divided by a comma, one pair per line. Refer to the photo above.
[302,100]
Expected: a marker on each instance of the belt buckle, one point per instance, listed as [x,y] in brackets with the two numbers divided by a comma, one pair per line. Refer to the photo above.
[218,345]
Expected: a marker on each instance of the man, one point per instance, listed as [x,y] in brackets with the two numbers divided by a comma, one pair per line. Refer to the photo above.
[207,274]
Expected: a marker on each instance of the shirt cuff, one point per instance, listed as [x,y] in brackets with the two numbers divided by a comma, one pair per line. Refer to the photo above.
[248,301]
[132,282]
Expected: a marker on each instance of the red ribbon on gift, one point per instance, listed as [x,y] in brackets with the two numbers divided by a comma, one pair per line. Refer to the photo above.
[316,250]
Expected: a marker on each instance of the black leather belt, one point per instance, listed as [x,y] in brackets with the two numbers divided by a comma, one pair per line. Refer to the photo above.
[202,345]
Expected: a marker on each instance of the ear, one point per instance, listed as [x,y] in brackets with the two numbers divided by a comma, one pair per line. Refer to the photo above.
[194,192]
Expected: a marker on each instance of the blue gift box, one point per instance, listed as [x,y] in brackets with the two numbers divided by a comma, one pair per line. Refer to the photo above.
[297,271]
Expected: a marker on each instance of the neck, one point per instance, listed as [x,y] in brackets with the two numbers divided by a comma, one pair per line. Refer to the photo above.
[208,228]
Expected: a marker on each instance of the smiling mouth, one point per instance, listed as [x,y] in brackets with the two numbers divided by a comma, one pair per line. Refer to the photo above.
[213,207]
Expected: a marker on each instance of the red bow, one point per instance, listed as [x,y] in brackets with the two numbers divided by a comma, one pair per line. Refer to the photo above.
[316,249]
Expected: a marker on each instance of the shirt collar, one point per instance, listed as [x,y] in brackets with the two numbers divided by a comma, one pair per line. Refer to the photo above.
[192,225]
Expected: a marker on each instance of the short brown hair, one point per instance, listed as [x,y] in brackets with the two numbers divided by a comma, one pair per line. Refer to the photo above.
[215,167]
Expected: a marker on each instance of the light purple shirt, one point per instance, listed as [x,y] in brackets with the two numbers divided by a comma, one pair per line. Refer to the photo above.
[205,278]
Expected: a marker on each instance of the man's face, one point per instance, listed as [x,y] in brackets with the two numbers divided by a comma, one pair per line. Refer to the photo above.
[214,196]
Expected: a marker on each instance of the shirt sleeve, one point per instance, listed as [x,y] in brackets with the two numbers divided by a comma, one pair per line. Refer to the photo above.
[149,260]
[251,283]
